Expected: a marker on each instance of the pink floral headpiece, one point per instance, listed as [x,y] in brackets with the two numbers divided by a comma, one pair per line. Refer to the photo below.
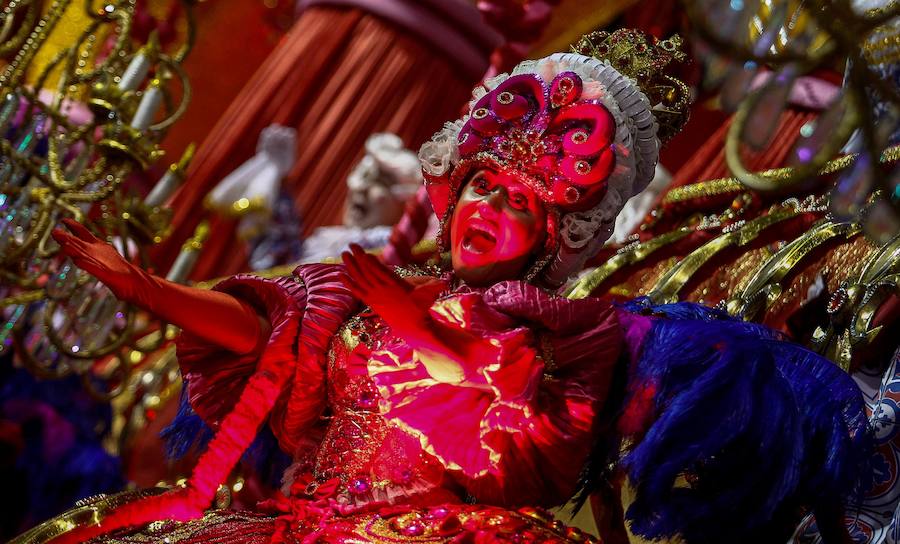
[560,145]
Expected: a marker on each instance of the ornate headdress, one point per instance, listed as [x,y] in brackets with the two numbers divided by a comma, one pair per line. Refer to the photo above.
[582,131]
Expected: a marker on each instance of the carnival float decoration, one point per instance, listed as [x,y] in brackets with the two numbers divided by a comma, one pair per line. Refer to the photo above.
[84,108]
[770,47]
[763,244]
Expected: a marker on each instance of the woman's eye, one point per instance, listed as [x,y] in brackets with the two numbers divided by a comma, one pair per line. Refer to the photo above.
[519,202]
[480,186]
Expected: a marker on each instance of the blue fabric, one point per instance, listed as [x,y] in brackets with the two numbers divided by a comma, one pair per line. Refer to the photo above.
[188,432]
[755,425]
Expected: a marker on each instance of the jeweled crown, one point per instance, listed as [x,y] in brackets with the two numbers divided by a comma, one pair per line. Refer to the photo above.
[644,59]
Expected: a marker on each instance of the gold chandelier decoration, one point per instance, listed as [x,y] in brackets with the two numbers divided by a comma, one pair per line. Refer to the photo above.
[82,107]
[779,42]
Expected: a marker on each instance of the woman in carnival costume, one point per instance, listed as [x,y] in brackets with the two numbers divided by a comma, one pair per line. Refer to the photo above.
[447,408]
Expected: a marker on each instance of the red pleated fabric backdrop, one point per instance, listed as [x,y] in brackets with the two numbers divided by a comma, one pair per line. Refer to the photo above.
[339,75]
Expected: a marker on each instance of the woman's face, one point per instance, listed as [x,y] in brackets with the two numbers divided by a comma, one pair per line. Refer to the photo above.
[498,226]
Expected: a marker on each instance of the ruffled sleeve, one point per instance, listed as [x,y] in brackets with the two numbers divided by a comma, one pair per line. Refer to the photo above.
[304,311]
[519,428]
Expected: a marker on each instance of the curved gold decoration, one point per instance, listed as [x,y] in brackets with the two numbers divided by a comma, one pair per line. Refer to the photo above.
[853,307]
[586,285]
[776,178]
[86,512]
[787,177]
[794,38]
[765,285]
[795,24]
[82,107]
[669,286]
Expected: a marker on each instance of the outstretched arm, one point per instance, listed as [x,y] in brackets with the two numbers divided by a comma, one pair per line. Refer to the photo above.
[213,316]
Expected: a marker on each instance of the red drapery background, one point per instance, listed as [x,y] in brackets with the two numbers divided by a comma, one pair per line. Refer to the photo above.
[337,76]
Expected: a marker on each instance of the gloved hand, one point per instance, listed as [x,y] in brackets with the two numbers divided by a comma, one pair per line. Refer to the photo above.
[100,260]
[216,317]
[405,309]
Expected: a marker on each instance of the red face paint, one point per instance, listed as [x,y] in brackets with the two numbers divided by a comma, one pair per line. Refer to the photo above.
[498,226]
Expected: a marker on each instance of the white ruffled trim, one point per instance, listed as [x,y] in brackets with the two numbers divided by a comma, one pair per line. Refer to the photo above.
[440,153]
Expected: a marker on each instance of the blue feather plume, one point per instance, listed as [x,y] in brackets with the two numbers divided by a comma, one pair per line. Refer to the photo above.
[748,427]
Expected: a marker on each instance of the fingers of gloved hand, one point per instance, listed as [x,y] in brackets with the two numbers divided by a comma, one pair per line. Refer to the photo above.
[358,281]
[63,238]
[360,293]
[69,244]
[365,270]
[355,258]
[91,265]
[79,230]
[366,261]
[59,234]
[349,265]
[82,252]
[379,273]
[356,250]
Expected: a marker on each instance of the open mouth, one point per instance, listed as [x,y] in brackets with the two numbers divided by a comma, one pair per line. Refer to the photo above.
[479,238]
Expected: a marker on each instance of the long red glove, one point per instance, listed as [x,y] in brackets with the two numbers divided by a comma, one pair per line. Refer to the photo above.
[216,317]
[235,434]
[178,504]
[405,309]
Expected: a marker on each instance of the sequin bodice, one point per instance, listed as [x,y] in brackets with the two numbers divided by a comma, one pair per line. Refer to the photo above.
[373,459]
[371,421]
